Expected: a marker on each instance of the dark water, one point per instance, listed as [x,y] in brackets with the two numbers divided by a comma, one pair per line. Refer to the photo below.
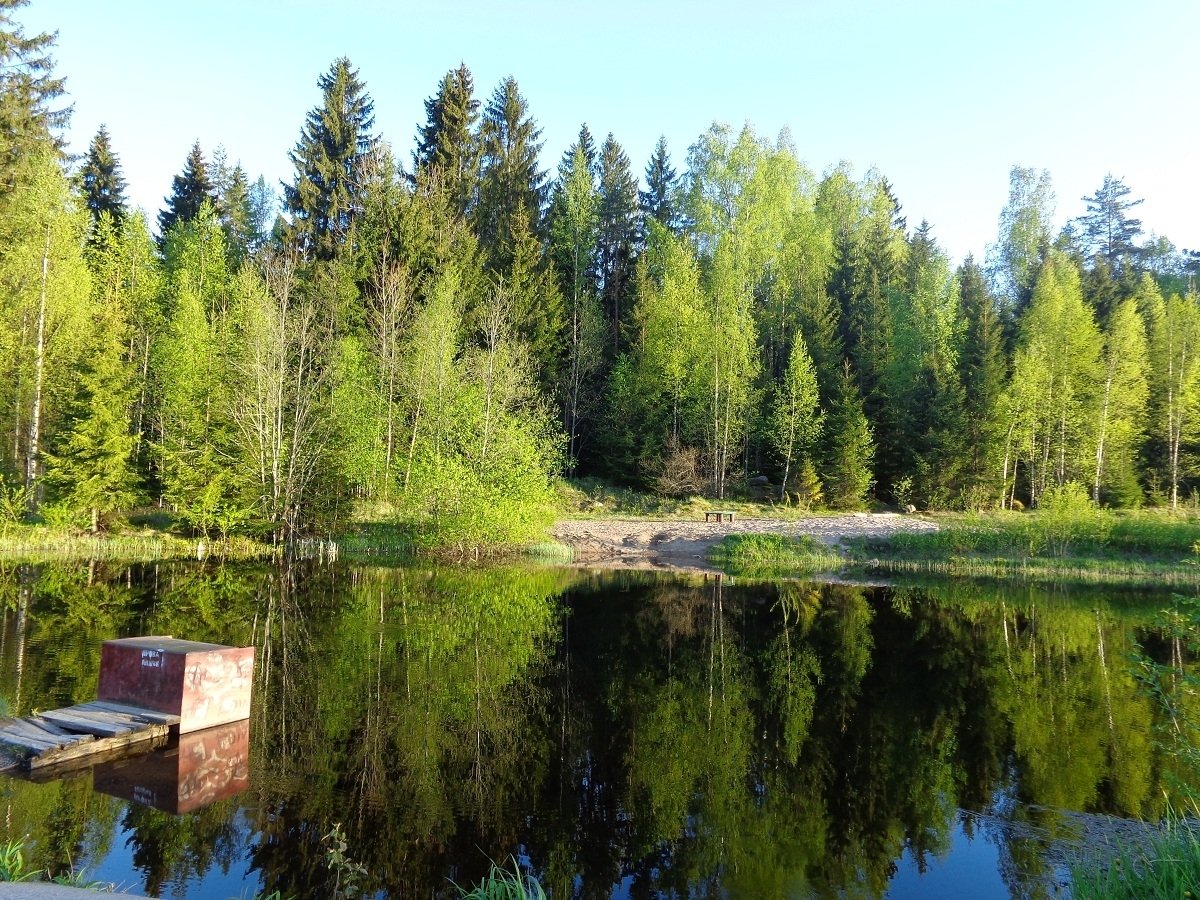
[623,735]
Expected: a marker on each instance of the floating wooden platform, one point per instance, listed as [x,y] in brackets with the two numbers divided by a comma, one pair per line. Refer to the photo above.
[82,732]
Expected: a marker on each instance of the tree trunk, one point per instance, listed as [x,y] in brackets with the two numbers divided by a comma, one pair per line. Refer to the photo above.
[39,369]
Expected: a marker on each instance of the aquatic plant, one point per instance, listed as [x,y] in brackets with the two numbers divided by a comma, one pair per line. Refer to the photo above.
[502,884]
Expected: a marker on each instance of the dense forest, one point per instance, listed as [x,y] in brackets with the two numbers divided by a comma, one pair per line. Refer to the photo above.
[440,338]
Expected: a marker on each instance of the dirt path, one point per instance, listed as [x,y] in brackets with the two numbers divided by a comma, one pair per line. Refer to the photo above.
[674,544]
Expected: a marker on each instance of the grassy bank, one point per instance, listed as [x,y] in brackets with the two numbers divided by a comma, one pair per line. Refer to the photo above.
[1080,545]
[1087,546]
[40,543]
[774,555]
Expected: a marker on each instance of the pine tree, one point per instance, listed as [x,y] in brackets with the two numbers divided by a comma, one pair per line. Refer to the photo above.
[616,235]
[101,182]
[189,191]
[1108,231]
[660,200]
[447,145]
[334,143]
[28,89]
[510,179]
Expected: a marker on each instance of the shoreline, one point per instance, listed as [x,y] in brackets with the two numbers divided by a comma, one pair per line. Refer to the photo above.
[684,545]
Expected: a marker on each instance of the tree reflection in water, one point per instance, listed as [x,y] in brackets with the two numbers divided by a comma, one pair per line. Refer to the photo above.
[677,736]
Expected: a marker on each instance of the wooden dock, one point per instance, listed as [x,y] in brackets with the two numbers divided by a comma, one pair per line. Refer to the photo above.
[82,733]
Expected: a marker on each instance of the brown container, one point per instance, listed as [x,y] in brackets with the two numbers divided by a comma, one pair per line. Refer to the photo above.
[205,767]
[203,684]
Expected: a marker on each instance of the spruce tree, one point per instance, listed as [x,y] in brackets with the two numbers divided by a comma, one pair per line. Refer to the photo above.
[849,447]
[660,200]
[510,180]
[237,216]
[189,190]
[28,91]
[90,463]
[100,180]
[447,145]
[981,368]
[616,235]
[334,143]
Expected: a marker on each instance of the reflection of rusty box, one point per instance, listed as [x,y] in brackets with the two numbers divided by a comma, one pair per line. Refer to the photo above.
[203,684]
[205,767]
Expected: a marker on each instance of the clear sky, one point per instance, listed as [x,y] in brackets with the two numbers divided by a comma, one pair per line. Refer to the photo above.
[943,97]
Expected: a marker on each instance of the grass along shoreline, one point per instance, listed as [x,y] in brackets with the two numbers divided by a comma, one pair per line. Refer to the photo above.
[1079,544]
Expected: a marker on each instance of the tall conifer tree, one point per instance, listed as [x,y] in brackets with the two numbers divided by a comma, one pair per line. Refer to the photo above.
[29,123]
[510,179]
[101,181]
[616,235]
[189,190]
[447,144]
[660,200]
[334,143]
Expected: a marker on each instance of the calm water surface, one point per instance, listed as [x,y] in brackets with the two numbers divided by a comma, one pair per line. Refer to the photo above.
[623,735]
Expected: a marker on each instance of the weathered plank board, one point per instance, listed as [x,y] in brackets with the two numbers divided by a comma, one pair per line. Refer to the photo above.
[89,725]
[87,751]
[134,712]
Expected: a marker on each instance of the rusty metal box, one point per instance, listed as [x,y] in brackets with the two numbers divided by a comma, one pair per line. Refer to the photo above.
[203,684]
[205,766]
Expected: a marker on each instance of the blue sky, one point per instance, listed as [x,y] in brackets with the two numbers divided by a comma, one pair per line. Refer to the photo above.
[942,97]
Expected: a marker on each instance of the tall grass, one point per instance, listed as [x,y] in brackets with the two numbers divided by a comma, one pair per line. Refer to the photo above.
[772,555]
[37,543]
[1166,867]
[502,884]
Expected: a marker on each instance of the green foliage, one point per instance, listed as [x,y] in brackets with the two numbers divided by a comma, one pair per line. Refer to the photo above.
[101,181]
[1066,517]
[330,158]
[850,448]
[502,884]
[348,875]
[12,862]
[1166,867]
[190,191]
[764,555]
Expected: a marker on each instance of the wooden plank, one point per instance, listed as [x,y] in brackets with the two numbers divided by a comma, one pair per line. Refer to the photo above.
[26,743]
[23,726]
[47,725]
[137,712]
[155,735]
[89,725]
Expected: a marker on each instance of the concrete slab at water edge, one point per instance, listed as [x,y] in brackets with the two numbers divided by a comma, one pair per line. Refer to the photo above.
[28,890]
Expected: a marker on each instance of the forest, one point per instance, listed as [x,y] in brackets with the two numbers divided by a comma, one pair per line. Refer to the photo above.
[439,340]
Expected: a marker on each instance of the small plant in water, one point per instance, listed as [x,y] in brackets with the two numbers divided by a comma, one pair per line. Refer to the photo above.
[12,862]
[502,884]
[348,874]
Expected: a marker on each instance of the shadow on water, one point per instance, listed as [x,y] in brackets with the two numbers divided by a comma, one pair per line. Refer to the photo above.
[623,734]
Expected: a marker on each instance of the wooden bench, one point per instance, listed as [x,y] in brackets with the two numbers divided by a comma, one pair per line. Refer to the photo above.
[720,514]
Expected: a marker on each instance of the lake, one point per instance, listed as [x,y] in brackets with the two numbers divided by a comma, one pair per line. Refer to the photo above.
[621,734]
